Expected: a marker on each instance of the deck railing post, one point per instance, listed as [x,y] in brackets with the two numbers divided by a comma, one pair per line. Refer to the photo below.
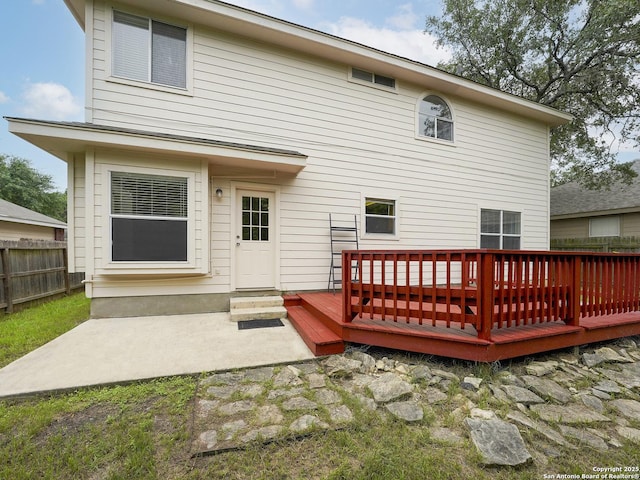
[575,292]
[486,262]
[346,287]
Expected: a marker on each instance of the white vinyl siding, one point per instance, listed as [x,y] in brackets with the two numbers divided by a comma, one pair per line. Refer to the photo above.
[360,143]
[78,211]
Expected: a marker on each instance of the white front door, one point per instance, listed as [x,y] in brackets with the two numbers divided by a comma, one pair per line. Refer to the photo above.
[255,240]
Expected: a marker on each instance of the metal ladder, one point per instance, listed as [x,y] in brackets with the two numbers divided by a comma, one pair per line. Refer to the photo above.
[341,235]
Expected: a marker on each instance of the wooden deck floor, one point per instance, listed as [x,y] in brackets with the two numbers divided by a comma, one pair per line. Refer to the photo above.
[318,318]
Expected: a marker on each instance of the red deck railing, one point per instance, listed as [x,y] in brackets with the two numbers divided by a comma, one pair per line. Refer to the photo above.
[487,289]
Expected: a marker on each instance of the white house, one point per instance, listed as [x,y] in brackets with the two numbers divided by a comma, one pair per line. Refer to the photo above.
[218,140]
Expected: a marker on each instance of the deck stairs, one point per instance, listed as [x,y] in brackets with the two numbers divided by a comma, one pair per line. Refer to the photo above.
[257,308]
[320,333]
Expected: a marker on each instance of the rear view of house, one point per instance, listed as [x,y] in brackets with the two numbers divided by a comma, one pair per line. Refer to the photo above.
[218,140]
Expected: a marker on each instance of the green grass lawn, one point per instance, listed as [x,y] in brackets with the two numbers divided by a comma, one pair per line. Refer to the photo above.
[142,431]
[24,331]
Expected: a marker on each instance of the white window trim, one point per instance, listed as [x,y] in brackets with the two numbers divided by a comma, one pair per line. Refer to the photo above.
[128,267]
[617,234]
[188,90]
[377,86]
[363,216]
[502,209]
[416,120]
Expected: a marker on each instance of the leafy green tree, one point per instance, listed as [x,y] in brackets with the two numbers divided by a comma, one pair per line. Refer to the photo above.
[21,184]
[579,56]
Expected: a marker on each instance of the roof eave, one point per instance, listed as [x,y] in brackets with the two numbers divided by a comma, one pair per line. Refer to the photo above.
[36,223]
[60,139]
[595,213]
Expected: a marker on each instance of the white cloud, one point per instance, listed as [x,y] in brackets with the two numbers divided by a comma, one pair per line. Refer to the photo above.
[410,43]
[3,97]
[303,4]
[50,101]
[405,19]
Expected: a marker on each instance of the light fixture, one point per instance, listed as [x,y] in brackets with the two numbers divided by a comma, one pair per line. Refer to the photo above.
[219,192]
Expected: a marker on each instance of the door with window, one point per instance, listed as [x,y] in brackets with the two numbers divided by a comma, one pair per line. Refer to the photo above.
[255,246]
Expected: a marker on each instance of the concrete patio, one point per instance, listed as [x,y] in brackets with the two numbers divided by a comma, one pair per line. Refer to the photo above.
[117,350]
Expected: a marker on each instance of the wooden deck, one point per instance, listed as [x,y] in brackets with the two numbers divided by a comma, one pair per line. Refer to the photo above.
[320,313]
[475,319]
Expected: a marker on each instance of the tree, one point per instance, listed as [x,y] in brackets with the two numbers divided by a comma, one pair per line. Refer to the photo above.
[579,56]
[21,184]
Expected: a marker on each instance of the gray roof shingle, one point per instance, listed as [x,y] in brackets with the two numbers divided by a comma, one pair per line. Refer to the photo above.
[573,199]
[10,212]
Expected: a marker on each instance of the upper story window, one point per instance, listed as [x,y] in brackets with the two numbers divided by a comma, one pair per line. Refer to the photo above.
[373,78]
[148,50]
[435,119]
[500,229]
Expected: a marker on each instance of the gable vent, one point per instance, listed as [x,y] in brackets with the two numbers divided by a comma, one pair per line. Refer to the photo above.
[372,77]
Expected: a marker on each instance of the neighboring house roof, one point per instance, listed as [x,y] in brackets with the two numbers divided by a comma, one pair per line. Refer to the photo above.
[264,28]
[10,212]
[572,200]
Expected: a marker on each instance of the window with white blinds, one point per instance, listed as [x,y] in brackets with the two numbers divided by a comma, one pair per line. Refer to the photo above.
[149,217]
[148,50]
[604,226]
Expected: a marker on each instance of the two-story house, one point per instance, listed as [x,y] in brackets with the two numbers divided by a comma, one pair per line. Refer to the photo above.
[218,140]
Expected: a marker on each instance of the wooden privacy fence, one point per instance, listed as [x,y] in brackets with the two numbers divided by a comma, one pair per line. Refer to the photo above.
[31,270]
[488,289]
[598,244]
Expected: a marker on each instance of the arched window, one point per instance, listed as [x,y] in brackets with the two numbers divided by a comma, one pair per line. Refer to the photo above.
[435,119]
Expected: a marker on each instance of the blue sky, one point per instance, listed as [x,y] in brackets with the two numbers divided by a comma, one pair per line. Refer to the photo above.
[42,54]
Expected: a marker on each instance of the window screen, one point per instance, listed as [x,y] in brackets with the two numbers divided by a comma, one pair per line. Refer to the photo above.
[380,216]
[169,55]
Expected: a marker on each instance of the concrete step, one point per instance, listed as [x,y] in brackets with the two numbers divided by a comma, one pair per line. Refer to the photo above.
[255,302]
[258,313]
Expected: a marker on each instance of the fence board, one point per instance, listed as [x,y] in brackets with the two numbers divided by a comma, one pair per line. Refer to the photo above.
[31,270]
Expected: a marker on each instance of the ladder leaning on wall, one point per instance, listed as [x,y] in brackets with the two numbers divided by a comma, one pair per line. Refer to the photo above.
[344,236]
